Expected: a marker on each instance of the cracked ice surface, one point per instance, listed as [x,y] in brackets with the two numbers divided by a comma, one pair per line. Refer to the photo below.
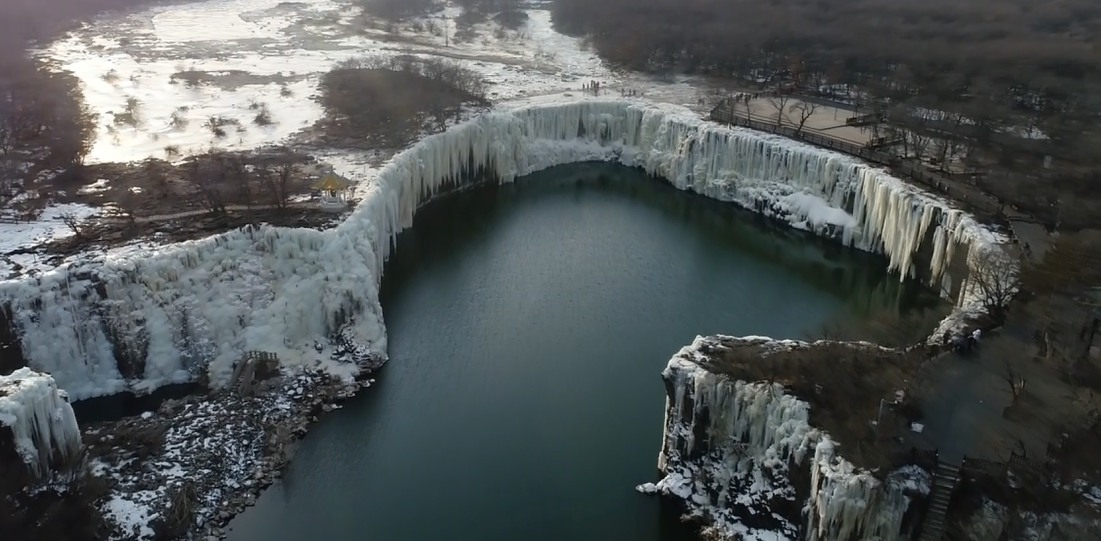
[198,306]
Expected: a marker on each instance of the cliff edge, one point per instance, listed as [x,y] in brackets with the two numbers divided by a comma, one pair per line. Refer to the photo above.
[749,439]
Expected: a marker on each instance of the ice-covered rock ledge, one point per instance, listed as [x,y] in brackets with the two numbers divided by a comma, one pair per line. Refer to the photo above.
[747,463]
[139,322]
[38,431]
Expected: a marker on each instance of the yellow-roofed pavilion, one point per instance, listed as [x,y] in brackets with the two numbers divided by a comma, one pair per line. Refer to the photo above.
[334,191]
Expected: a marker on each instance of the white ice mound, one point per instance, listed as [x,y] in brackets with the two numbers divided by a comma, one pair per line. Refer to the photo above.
[40,419]
[143,321]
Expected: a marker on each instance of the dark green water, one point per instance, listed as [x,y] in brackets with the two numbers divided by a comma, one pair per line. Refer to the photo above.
[528,325]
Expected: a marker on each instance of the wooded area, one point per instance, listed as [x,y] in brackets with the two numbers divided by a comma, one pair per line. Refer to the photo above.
[1000,85]
[359,92]
[43,118]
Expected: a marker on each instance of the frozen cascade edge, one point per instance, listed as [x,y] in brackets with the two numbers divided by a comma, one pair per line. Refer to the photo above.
[731,447]
[199,305]
[41,422]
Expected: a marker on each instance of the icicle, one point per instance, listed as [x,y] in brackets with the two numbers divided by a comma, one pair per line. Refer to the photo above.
[755,425]
[40,419]
[280,289]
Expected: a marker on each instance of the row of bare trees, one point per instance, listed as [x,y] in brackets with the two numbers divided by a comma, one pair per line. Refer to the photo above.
[997,86]
[399,9]
[42,119]
[220,179]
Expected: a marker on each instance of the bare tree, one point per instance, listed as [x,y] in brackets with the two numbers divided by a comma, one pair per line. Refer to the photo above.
[207,176]
[156,173]
[127,202]
[949,142]
[994,277]
[281,182]
[805,110]
[73,223]
[780,103]
[1013,378]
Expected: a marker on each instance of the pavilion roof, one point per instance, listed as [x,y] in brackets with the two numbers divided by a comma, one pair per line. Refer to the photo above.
[331,181]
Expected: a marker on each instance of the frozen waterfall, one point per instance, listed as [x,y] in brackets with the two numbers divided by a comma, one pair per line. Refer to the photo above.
[142,321]
[732,449]
[40,420]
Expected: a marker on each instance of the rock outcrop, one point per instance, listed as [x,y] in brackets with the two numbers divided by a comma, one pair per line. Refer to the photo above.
[38,430]
[745,459]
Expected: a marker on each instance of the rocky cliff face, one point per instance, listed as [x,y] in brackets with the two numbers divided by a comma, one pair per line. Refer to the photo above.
[747,463]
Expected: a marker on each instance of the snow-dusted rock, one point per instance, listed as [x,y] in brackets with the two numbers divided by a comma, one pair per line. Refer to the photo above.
[732,448]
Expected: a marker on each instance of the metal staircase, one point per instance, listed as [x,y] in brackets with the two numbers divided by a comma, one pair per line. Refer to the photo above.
[944,484]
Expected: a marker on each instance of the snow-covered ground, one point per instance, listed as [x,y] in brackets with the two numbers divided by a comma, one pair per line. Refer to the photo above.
[49,226]
[217,452]
[273,53]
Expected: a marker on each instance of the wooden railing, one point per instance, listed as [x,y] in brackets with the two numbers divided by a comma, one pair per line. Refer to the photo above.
[926,458]
[864,120]
[992,467]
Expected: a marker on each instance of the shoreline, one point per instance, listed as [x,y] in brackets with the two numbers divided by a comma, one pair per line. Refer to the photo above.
[169,459]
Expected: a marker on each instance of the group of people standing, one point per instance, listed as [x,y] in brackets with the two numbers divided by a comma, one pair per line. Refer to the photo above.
[595,87]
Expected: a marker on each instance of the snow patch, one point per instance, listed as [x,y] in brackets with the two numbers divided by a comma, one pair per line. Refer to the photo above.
[131,514]
[912,478]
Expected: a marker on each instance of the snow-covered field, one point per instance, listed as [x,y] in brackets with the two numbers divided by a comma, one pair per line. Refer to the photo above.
[273,53]
[16,235]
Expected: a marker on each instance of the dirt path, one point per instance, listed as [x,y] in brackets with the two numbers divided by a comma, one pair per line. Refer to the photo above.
[200,212]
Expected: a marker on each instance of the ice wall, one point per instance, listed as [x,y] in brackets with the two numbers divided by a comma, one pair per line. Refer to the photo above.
[731,449]
[41,421]
[141,321]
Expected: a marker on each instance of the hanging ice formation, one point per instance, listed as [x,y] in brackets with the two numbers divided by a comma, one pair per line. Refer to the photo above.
[40,421]
[730,449]
[145,320]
